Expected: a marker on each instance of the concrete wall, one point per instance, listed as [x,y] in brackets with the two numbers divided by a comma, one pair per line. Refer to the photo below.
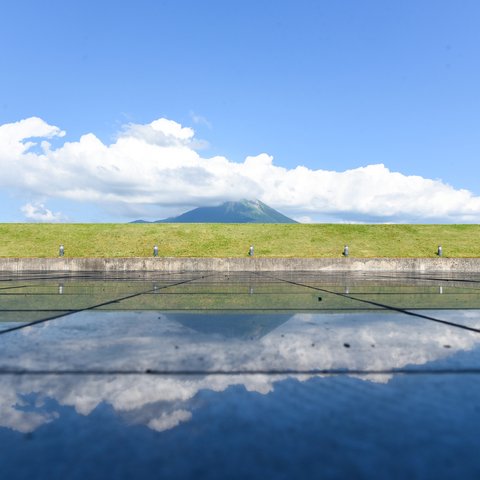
[175,264]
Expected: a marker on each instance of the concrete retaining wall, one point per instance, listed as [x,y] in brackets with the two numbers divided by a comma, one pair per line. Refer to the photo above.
[175,264]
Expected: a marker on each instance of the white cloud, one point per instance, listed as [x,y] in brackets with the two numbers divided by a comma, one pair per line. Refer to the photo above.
[16,138]
[200,120]
[155,169]
[161,132]
[304,219]
[37,212]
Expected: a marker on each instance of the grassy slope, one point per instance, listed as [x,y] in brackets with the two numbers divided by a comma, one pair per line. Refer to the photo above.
[233,240]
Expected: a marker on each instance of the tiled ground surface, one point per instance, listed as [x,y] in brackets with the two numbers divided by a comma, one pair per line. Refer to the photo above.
[229,376]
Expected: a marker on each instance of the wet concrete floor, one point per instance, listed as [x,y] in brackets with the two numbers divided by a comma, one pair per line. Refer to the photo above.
[239,375]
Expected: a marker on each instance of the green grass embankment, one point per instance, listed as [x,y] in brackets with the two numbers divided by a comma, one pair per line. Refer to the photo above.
[233,240]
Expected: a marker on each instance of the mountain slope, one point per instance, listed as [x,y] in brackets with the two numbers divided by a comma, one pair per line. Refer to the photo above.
[244,211]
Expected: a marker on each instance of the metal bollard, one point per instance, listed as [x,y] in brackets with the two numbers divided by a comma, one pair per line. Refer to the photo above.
[345,251]
[439,251]
[61,251]
[251,251]
[155,251]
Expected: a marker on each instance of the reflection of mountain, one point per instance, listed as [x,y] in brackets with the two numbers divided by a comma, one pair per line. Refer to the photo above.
[231,325]
[142,340]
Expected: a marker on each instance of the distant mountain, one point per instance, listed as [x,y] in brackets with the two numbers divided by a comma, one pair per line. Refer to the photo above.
[244,211]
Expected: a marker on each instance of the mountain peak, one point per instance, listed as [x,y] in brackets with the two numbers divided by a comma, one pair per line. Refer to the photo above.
[243,211]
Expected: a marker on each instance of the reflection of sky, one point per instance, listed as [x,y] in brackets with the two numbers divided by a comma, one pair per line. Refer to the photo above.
[415,426]
[129,340]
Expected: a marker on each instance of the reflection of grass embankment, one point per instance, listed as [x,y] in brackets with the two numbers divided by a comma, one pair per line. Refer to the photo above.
[35,302]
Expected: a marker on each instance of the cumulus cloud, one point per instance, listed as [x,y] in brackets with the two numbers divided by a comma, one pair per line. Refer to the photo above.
[37,212]
[156,169]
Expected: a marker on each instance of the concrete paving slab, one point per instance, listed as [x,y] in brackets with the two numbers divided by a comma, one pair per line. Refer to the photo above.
[239,376]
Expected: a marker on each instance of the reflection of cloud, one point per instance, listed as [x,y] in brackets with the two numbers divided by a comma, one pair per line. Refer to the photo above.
[142,340]
[15,411]
[168,421]
[161,403]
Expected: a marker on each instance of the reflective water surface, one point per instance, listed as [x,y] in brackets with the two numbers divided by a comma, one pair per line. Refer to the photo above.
[234,376]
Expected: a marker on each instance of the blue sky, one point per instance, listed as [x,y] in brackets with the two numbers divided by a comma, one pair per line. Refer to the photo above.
[337,87]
